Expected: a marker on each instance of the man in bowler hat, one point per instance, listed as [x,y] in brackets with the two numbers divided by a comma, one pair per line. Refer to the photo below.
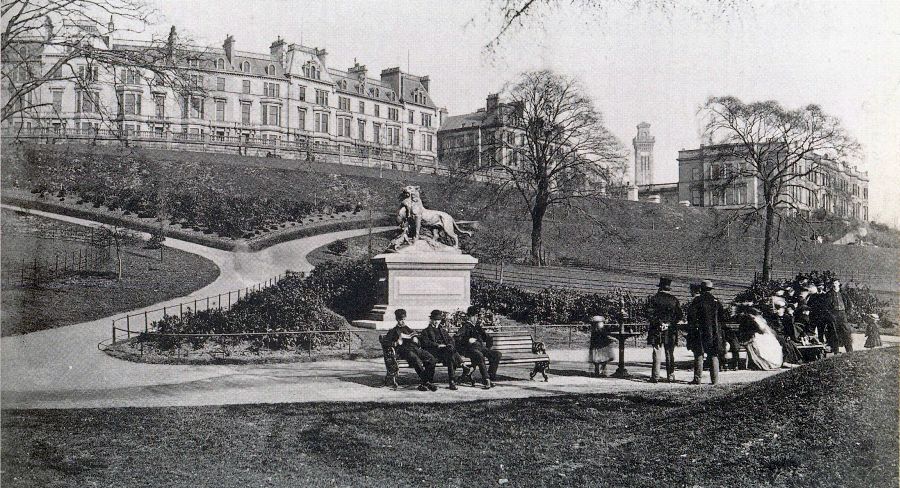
[406,343]
[664,312]
[474,341]
[438,342]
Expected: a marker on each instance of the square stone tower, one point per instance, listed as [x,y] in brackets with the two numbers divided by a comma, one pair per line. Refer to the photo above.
[643,155]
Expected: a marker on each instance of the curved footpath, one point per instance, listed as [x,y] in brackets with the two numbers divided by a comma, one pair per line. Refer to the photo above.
[62,367]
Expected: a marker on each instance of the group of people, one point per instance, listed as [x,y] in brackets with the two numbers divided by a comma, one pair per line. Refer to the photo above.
[424,349]
[771,333]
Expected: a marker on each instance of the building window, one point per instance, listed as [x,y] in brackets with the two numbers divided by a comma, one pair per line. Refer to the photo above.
[196,81]
[696,198]
[245,113]
[696,174]
[393,114]
[322,98]
[220,83]
[410,138]
[130,76]
[192,106]
[88,73]
[321,122]
[271,114]
[245,66]
[86,101]
[344,103]
[270,70]
[246,86]
[376,132]
[220,63]
[301,117]
[220,110]
[377,110]
[362,107]
[271,90]
[57,100]
[311,70]
[361,130]
[301,93]
[343,126]
[426,120]
[160,102]
[393,136]
[130,103]
[428,143]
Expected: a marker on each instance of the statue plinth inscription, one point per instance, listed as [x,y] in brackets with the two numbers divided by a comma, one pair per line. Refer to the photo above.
[420,274]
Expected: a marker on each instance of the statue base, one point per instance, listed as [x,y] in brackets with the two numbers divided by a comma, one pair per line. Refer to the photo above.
[419,279]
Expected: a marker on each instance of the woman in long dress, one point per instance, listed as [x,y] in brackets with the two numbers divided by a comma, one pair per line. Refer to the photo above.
[873,335]
[763,348]
[602,347]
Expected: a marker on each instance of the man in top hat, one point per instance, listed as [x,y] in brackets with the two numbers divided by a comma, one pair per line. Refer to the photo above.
[438,342]
[474,342]
[709,315]
[406,343]
[664,312]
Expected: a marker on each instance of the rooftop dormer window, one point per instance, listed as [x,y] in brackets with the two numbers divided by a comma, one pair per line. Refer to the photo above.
[245,66]
[270,70]
[220,63]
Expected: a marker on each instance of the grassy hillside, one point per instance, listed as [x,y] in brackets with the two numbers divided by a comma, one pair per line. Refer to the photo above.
[239,196]
[832,423]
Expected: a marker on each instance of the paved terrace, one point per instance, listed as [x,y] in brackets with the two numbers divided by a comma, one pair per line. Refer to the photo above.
[62,368]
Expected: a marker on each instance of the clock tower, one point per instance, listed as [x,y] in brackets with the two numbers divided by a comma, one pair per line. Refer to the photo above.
[643,155]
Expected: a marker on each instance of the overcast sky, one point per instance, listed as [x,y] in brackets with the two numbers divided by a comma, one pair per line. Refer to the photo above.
[638,66]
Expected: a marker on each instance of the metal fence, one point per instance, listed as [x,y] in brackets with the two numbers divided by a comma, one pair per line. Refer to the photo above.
[132,324]
[36,271]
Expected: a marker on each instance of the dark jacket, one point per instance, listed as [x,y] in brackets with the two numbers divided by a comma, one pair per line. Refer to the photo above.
[662,308]
[472,330]
[393,336]
[434,337]
[709,316]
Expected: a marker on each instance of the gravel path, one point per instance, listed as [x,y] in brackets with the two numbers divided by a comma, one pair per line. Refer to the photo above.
[62,368]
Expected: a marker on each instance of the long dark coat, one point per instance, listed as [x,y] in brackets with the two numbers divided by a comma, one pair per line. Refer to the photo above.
[708,316]
[662,308]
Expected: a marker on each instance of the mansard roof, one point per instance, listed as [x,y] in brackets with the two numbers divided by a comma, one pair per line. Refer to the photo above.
[371,88]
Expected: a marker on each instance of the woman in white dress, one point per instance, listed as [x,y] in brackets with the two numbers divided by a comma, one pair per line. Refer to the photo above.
[763,349]
[602,347]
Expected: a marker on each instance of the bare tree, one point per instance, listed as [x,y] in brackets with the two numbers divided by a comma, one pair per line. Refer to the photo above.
[48,41]
[787,153]
[551,148]
[517,14]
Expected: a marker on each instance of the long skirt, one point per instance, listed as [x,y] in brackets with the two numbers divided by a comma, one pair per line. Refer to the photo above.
[873,336]
[603,354]
[765,352]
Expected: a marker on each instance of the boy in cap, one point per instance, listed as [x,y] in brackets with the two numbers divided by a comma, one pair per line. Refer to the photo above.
[474,344]
[406,343]
[438,342]
[664,312]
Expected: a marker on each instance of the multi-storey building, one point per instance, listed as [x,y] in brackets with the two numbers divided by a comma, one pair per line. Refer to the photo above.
[480,140]
[711,176]
[289,96]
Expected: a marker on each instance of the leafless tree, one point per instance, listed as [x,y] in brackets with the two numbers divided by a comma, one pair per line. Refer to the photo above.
[551,147]
[48,41]
[787,152]
[517,14]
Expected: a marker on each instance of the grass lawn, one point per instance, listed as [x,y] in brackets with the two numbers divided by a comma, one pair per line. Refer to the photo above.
[87,296]
[831,423]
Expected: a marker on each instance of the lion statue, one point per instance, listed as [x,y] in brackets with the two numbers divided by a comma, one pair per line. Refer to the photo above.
[414,218]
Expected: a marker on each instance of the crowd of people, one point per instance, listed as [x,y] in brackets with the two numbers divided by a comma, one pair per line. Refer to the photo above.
[424,349]
[774,331]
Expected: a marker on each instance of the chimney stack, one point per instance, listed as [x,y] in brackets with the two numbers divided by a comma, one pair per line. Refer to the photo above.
[359,71]
[493,100]
[277,51]
[425,81]
[229,48]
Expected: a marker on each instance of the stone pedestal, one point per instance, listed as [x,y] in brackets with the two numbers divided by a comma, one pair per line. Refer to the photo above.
[420,279]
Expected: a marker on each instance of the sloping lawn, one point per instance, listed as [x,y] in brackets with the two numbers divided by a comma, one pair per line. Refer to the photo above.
[831,423]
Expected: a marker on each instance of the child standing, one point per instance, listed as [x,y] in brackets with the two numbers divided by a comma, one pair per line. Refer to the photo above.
[602,347]
[873,336]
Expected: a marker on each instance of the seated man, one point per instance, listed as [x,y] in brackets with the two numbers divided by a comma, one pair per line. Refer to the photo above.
[406,343]
[438,342]
[473,343]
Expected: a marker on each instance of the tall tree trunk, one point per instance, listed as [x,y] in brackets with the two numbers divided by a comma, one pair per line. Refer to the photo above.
[767,243]
[537,234]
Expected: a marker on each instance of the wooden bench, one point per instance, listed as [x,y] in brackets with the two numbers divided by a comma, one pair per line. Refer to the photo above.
[516,347]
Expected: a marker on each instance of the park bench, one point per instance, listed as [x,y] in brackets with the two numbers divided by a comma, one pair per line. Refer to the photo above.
[516,347]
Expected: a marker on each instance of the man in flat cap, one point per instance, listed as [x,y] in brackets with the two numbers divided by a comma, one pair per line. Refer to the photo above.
[664,312]
[474,344]
[406,343]
[438,342]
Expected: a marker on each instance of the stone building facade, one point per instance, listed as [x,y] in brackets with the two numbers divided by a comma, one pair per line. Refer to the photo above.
[835,187]
[288,96]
